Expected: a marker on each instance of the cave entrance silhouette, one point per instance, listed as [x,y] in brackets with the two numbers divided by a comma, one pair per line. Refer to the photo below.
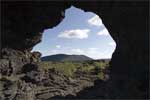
[130,60]
[80,45]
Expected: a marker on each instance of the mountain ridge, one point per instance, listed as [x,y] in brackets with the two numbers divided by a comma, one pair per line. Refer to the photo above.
[66,57]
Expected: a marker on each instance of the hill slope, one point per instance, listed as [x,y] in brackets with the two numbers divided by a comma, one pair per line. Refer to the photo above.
[65,57]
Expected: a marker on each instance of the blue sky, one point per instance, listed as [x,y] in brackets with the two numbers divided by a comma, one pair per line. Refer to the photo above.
[79,33]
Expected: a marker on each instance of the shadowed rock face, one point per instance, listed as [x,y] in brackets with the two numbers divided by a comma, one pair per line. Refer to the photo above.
[128,22]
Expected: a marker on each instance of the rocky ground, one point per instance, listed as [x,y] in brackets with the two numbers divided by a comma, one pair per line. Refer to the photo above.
[21,78]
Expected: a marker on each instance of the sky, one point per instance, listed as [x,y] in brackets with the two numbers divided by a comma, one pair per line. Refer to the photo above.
[80,33]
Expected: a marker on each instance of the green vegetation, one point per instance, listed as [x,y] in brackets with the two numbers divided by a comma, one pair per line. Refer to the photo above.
[101,75]
[70,68]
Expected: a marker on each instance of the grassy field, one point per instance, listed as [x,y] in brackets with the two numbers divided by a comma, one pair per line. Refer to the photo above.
[69,69]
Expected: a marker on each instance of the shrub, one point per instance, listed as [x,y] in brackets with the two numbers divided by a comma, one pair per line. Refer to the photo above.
[101,75]
[69,68]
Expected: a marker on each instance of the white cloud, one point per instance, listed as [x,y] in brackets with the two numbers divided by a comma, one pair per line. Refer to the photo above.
[53,51]
[93,49]
[104,32]
[48,52]
[76,33]
[77,51]
[112,43]
[58,46]
[96,21]
[91,52]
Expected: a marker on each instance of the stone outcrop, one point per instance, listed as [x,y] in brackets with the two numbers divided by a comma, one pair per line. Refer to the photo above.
[22,24]
[14,60]
[38,84]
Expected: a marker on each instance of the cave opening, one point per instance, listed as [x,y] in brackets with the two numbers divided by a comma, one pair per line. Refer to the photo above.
[79,44]
[79,33]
